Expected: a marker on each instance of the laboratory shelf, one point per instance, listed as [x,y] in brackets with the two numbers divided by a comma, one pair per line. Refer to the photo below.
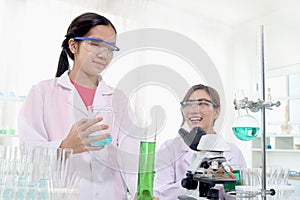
[281,149]
[278,150]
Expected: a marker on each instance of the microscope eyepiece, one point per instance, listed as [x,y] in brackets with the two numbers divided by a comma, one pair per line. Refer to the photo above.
[193,137]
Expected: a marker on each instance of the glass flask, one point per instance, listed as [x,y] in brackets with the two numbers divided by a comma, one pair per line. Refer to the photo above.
[245,127]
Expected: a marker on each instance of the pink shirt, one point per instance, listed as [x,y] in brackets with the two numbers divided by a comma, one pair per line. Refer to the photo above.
[86,94]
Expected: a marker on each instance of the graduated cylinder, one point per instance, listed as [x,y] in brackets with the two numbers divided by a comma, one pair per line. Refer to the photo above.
[146,171]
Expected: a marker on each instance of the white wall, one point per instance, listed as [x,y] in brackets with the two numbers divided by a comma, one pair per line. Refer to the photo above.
[282,47]
[34,30]
[211,35]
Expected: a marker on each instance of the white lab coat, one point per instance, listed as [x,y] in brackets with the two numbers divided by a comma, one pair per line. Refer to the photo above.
[53,106]
[173,160]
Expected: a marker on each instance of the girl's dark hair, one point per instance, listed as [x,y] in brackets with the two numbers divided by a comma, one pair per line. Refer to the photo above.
[213,94]
[79,27]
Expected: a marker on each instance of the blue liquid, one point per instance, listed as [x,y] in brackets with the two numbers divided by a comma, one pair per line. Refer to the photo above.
[102,142]
[8,194]
[245,133]
[21,189]
[32,191]
[44,189]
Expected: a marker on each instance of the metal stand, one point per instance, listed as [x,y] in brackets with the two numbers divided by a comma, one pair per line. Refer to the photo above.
[263,118]
[255,107]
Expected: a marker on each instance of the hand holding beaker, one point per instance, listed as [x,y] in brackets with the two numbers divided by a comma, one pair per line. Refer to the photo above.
[106,114]
[77,138]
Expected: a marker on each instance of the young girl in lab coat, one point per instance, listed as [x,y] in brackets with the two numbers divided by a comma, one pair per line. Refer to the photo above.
[55,114]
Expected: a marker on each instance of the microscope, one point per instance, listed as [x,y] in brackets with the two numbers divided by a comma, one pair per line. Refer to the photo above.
[206,161]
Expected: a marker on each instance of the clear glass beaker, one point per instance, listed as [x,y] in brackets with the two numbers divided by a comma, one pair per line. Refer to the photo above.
[107,114]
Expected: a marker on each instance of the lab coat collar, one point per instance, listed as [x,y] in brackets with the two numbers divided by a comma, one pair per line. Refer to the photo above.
[64,81]
[103,88]
[182,145]
[74,99]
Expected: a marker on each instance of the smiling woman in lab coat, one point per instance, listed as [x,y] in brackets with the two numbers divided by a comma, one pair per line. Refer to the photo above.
[54,113]
[200,108]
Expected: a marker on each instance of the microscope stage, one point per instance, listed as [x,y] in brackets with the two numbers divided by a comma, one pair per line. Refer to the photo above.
[215,180]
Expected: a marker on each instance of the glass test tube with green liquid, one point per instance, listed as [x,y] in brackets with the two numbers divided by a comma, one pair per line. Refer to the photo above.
[146,171]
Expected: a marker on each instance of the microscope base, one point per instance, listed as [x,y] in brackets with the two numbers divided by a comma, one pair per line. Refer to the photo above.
[206,185]
[187,197]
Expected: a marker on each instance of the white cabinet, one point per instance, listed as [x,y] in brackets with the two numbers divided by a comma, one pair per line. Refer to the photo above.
[282,145]
[281,151]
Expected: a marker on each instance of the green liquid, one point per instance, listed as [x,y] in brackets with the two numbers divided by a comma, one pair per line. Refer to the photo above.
[146,171]
[245,133]
[231,187]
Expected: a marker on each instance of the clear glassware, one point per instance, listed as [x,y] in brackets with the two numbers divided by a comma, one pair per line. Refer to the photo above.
[64,179]
[107,114]
[28,172]
[245,127]
[250,184]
